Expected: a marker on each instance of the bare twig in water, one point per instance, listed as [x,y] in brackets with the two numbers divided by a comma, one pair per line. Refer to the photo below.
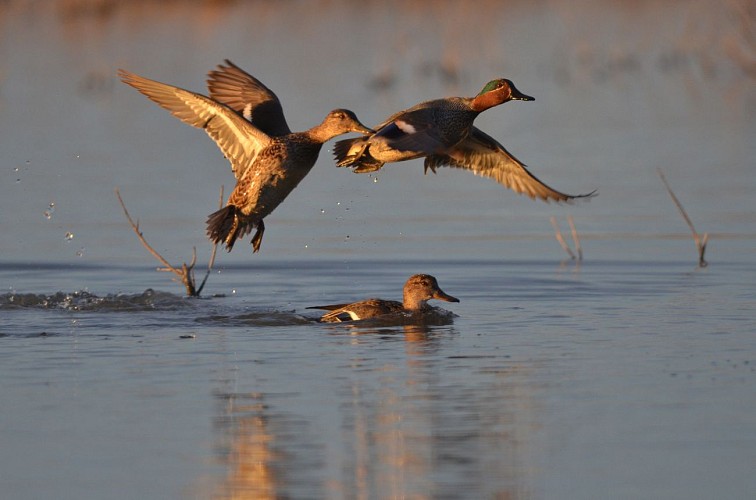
[560,238]
[186,273]
[211,263]
[699,240]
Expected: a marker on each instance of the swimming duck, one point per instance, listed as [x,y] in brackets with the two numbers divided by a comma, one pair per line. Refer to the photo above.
[418,290]
[267,160]
[442,131]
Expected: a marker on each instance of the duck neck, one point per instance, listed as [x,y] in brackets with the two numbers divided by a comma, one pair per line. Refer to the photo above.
[485,101]
[413,303]
[321,133]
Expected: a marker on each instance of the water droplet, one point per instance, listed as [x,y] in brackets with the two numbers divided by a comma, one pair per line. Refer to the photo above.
[80,252]
[16,169]
[375,180]
[338,203]
[307,246]
[50,209]
[322,210]
[69,236]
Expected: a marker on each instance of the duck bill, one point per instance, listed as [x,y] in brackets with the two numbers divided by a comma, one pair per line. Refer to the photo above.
[519,96]
[441,295]
[362,129]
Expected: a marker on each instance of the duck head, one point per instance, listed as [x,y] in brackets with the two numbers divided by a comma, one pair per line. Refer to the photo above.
[341,121]
[421,288]
[498,92]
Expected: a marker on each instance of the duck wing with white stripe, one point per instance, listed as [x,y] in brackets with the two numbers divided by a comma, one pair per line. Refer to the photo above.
[249,97]
[413,130]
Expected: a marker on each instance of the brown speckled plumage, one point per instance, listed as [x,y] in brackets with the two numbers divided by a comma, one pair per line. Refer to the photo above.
[246,121]
[418,290]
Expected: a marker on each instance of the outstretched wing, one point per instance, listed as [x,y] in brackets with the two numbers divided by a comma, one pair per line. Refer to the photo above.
[247,95]
[484,156]
[235,136]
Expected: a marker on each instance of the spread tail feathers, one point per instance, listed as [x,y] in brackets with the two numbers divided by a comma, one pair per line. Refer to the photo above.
[227,225]
[353,153]
[342,151]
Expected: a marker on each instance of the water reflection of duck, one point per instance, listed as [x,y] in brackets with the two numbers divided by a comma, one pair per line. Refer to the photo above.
[442,131]
[418,290]
[246,121]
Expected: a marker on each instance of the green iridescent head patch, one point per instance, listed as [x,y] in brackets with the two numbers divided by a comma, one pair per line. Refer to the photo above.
[492,85]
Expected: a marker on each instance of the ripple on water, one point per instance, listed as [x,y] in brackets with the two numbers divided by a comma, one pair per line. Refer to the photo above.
[203,311]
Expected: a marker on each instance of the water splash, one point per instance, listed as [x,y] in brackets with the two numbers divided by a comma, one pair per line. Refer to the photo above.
[82,300]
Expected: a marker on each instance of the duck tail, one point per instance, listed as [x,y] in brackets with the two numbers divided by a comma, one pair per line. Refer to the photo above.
[354,153]
[347,151]
[226,225]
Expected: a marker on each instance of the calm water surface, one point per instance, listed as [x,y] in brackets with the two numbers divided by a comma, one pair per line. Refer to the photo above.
[630,375]
[554,381]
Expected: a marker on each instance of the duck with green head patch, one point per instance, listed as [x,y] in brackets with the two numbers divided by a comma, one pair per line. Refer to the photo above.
[246,121]
[442,132]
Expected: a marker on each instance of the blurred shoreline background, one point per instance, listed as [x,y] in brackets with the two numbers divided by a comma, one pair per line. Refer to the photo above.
[622,89]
